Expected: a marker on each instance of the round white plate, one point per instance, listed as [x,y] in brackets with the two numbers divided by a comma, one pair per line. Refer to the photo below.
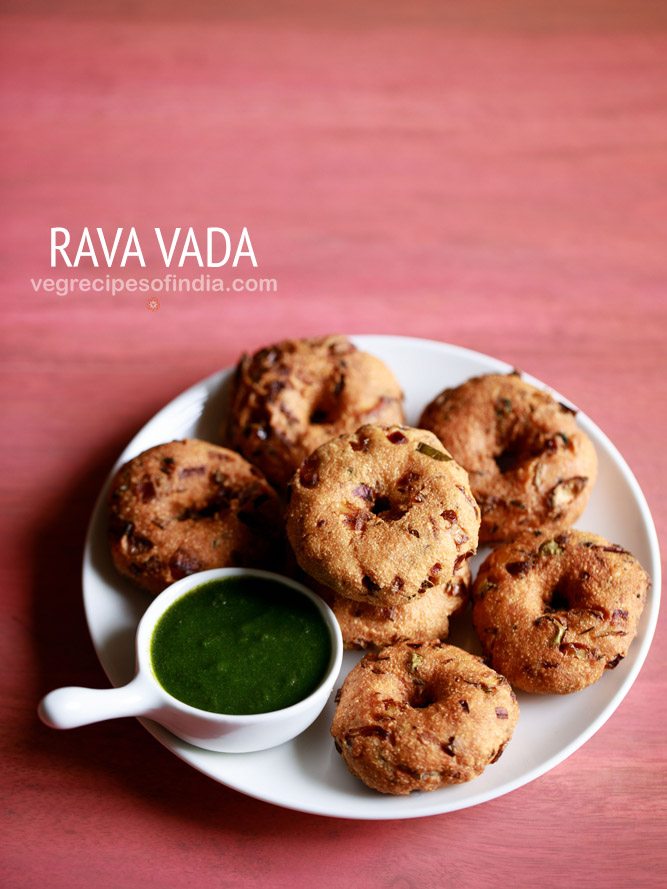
[307,774]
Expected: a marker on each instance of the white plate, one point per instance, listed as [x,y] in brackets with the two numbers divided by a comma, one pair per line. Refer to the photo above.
[307,774]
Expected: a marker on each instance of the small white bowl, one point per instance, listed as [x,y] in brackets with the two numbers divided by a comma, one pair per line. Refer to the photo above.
[144,696]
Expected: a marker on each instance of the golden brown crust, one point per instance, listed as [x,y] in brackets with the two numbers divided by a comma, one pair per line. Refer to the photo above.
[382,515]
[422,618]
[188,506]
[530,465]
[291,397]
[553,613]
[418,716]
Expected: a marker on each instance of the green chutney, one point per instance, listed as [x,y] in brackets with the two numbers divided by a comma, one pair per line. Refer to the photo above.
[241,645]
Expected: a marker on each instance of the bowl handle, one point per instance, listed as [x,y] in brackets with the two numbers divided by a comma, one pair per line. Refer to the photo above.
[71,707]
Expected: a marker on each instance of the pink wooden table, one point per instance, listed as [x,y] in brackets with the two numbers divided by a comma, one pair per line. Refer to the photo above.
[493,176]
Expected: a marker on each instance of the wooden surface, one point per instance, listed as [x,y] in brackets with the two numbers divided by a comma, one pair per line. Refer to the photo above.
[491,175]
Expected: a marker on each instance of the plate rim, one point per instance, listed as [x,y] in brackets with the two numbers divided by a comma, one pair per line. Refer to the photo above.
[192,756]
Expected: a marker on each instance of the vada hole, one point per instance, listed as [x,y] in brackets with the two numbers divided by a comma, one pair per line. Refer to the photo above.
[387,509]
[381,504]
[509,458]
[327,407]
[558,599]
[422,697]
[320,416]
